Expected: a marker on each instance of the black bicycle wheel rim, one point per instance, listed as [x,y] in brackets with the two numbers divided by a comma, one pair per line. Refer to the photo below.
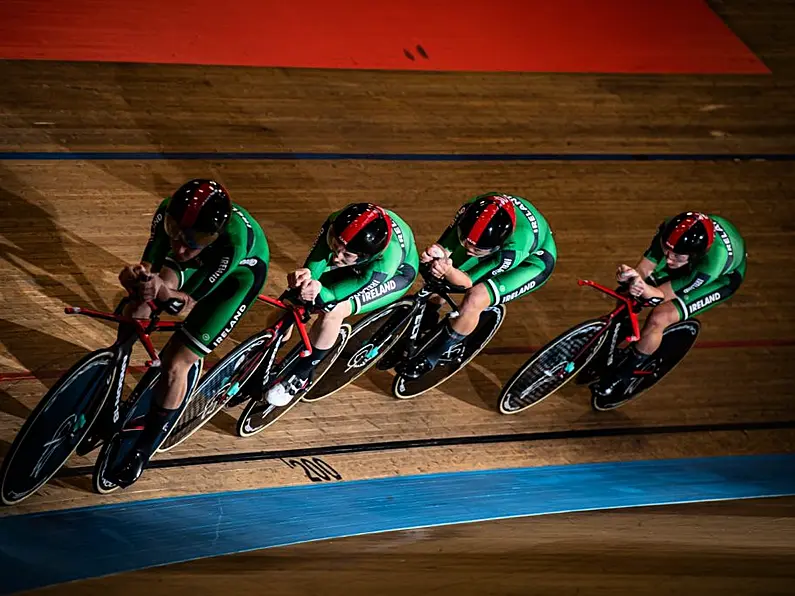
[551,367]
[677,341]
[355,358]
[404,388]
[57,425]
[210,395]
[259,414]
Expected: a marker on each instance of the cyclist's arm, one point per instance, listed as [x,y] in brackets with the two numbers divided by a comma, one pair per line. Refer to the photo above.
[661,293]
[654,254]
[318,259]
[645,267]
[499,262]
[211,274]
[703,274]
[664,292]
[376,273]
[157,247]
[176,302]
[332,294]
[456,277]
[449,238]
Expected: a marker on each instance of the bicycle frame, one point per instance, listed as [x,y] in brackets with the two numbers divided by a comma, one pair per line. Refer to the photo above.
[301,315]
[432,286]
[140,330]
[626,306]
[297,315]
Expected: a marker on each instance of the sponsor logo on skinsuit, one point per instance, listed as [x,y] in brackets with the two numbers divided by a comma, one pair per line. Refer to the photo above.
[228,329]
[525,288]
[220,271]
[696,284]
[506,264]
[527,213]
[399,233]
[155,222]
[704,302]
[724,238]
[370,295]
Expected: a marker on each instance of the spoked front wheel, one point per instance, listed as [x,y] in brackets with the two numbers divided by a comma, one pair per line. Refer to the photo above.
[370,339]
[54,429]
[677,341]
[259,414]
[552,366]
[221,383]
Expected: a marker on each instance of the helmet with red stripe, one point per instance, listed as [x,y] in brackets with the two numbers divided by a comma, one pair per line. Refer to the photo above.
[362,228]
[689,233]
[486,224]
[198,212]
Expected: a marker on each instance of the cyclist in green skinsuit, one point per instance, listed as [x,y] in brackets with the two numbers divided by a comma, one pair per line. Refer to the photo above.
[363,259]
[500,247]
[206,256]
[694,263]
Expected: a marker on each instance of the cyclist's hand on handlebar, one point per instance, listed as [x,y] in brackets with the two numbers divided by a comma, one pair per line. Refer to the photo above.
[309,290]
[637,287]
[625,273]
[152,288]
[131,275]
[434,251]
[630,281]
[297,278]
[441,267]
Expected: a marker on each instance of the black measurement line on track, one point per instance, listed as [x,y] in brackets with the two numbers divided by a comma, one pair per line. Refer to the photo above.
[558,435]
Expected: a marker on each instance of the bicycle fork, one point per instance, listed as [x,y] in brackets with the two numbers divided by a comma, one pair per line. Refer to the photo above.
[110,415]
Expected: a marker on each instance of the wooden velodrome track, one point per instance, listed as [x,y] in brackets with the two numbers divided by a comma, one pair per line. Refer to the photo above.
[67,227]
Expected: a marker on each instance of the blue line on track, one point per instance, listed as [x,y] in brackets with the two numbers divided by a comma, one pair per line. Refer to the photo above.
[54,547]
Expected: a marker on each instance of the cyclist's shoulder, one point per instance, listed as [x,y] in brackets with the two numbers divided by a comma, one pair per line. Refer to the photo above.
[714,262]
[395,217]
[528,216]
[724,226]
[242,219]
[402,234]
[242,231]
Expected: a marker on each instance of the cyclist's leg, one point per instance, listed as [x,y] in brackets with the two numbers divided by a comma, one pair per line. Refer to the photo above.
[692,304]
[324,332]
[615,379]
[205,328]
[523,279]
[662,317]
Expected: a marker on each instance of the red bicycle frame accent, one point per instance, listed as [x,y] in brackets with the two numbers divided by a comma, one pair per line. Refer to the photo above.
[140,325]
[627,303]
[298,313]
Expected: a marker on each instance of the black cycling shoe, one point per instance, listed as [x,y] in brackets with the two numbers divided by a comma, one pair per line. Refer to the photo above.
[131,469]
